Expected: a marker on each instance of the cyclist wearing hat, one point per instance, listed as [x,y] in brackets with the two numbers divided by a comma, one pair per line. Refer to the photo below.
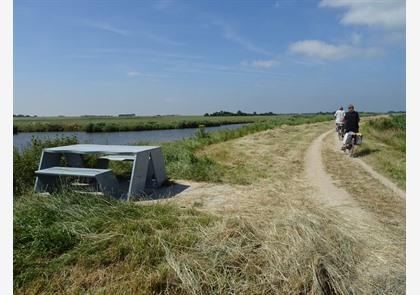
[351,123]
[351,120]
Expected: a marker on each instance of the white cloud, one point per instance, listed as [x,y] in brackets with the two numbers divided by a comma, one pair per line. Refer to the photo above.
[133,74]
[356,39]
[317,49]
[146,52]
[229,33]
[146,75]
[163,4]
[162,39]
[393,38]
[106,27]
[263,64]
[388,14]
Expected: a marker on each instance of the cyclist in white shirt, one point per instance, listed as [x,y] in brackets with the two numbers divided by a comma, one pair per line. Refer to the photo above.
[339,117]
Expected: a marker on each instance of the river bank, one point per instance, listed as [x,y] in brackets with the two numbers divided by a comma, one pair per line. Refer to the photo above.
[23,139]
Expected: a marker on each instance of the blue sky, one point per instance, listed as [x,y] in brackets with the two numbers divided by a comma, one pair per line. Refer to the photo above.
[190,57]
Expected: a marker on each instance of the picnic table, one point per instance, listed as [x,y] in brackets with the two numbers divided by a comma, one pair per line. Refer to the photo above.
[148,166]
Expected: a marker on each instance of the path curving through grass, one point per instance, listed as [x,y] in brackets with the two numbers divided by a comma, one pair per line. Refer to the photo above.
[325,189]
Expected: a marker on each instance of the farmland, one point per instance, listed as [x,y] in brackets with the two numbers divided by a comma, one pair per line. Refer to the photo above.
[115,124]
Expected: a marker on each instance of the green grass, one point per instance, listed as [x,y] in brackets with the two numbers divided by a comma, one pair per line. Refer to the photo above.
[77,244]
[115,124]
[181,159]
[70,233]
[384,146]
[72,244]
[26,162]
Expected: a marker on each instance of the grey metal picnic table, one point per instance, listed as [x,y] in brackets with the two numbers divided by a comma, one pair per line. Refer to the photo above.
[148,162]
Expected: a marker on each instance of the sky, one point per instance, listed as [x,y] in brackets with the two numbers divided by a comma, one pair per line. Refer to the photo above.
[105,57]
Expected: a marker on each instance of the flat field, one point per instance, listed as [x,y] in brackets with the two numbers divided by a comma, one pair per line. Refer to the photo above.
[110,124]
[267,209]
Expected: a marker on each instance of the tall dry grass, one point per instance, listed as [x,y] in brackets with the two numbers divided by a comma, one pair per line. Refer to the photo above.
[308,249]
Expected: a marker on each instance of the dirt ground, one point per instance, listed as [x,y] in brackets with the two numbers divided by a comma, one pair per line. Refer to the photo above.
[286,161]
[300,184]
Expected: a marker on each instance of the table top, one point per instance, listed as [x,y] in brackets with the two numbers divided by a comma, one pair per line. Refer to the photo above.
[100,148]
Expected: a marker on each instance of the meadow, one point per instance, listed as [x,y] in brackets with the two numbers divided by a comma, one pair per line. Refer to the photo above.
[115,124]
[278,242]
[385,146]
[181,159]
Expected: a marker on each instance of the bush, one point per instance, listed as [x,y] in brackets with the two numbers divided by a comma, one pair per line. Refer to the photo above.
[201,132]
[26,162]
[395,122]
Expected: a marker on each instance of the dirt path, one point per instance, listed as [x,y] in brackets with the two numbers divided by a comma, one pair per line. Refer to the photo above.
[326,191]
[382,179]
[273,162]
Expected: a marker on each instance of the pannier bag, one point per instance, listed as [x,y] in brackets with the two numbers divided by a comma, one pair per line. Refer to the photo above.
[359,138]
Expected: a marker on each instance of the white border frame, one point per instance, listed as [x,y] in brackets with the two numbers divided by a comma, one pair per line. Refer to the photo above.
[6,146]
[413,145]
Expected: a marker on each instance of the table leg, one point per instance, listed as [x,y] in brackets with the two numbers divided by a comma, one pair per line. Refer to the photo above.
[158,165]
[108,184]
[47,160]
[139,174]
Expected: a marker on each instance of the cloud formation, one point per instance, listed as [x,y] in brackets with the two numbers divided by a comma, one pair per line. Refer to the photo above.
[163,4]
[389,14]
[317,49]
[133,74]
[106,27]
[261,64]
[229,33]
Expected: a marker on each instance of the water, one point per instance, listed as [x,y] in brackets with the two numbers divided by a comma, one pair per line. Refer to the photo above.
[23,139]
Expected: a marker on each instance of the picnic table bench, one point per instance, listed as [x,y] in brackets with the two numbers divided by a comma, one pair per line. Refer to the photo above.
[105,178]
[147,169]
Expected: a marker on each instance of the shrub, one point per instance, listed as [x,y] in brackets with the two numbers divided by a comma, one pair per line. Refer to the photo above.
[201,132]
[26,162]
[396,122]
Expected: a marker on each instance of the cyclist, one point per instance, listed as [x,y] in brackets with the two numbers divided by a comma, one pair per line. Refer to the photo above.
[351,124]
[339,117]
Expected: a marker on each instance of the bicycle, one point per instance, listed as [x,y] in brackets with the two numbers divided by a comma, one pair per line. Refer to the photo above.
[340,131]
[355,140]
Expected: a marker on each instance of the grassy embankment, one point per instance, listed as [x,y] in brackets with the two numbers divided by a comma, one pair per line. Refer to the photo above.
[115,124]
[181,159]
[384,146]
[384,149]
[73,244]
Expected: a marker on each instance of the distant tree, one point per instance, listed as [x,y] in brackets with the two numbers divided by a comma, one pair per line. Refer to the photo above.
[206,115]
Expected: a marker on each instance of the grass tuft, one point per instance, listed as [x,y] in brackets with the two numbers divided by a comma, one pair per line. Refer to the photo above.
[54,235]
[384,146]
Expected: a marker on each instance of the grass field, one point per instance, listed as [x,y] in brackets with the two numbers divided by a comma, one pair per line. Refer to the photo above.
[73,244]
[114,124]
[253,232]
[385,146]
[181,158]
